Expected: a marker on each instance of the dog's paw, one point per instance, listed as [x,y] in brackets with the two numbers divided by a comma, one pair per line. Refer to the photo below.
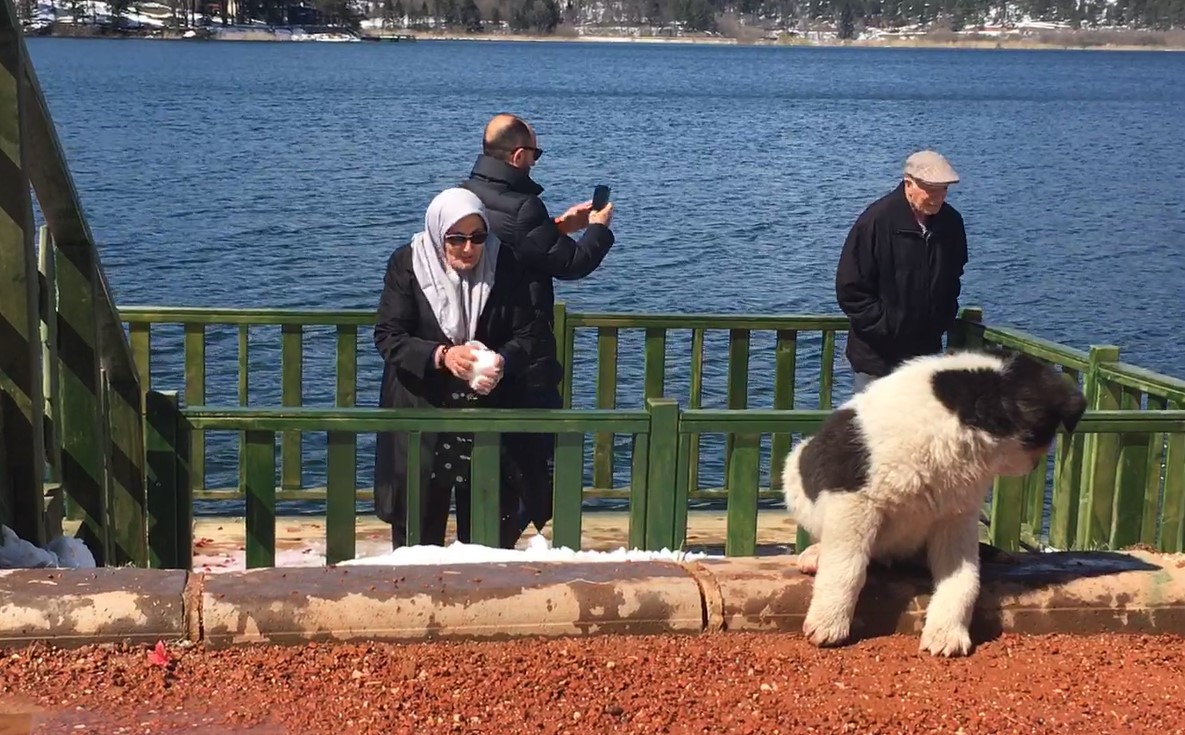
[942,639]
[823,629]
[808,560]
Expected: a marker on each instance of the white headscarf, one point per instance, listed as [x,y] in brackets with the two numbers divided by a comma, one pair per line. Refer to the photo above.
[457,299]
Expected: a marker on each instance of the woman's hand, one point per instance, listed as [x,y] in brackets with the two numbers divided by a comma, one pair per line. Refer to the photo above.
[458,360]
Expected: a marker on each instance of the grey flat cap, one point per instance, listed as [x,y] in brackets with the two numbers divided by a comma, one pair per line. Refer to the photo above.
[931,168]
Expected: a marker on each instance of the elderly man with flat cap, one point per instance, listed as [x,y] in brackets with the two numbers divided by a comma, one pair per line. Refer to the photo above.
[900,271]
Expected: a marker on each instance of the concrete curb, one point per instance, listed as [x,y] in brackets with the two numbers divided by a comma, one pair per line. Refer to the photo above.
[1085,593]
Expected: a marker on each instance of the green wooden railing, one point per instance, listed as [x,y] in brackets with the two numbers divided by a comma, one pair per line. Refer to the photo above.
[798,341]
[658,514]
[1119,480]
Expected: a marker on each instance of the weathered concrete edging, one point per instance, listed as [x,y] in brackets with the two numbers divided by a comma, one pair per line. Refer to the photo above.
[1074,593]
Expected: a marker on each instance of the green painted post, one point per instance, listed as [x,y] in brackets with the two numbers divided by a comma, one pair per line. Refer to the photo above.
[415,491]
[21,389]
[741,531]
[1100,456]
[1150,518]
[826,369]
[606,398]
[1067,474]
[260,458]
[1172,529]
[1130,480]
[655,362]
[244,398]
[1007,512]
[696,400]
[661,468]
[785,359]
[127,474]
[568,491]
[51,384]
[195,395]
[170,537]
[84,464]
[291,394]
[738,387]
[639,502]
[559,320]
[968,330]
[341,472]
[485,507]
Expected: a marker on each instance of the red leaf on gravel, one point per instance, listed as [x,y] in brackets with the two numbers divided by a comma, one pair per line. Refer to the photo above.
[159,656]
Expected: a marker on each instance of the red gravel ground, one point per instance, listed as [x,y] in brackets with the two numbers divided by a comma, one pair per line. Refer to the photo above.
[729,683]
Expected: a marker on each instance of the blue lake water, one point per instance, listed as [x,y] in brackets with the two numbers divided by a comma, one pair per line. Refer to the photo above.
[283,175]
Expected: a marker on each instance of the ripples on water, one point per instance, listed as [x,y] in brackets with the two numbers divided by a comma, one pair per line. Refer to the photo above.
[283,175]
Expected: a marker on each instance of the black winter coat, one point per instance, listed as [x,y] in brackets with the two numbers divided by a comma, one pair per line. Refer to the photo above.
[899,286]
[520,219]
[407,334]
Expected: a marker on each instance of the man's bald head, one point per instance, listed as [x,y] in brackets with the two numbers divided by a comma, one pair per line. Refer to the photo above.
[506,136]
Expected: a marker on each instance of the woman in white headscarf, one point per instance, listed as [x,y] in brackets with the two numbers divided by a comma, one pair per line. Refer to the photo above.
[450,298]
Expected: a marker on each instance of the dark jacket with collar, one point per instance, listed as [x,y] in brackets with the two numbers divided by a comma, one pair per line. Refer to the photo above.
[406,335]
[899,285]
[521,221]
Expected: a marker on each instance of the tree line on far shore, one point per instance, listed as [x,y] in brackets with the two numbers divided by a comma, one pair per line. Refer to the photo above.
[846,17]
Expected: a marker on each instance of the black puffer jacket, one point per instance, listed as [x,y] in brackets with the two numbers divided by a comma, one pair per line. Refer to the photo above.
[521,221]
[899,286]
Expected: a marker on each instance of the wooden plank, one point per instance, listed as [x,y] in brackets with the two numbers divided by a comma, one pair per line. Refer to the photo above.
[21,389]
[291,394]
[826,369]
[260,458]
[1067,482]
[1101,457]
[606,398]
[195,395]
[695,400]
[660,473]
[741,533]
[341,498]
[655,363]
[170,539]
[638,490]
[128,497]
[1006,513]
[737,387]
[785,366]
[485,512]
[84,464]
[51,385]
[342,461]
[415,491]
[1150,519]
[569,495]
[1130,480]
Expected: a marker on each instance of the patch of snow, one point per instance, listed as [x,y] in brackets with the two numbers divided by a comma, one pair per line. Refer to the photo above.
[537,549]
[61,553]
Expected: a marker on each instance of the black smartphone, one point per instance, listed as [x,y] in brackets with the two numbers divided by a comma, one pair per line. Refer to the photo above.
[600,197]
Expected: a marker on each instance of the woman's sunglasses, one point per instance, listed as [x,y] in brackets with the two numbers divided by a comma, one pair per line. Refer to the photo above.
[457,238]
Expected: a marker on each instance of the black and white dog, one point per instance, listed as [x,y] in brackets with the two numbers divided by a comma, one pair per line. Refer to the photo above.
[904,468]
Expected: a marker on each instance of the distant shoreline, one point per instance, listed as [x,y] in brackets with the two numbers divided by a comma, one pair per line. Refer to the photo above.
[1042,41]
[1016,42]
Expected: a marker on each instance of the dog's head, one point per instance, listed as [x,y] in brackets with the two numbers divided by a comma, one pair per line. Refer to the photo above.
[1023,403]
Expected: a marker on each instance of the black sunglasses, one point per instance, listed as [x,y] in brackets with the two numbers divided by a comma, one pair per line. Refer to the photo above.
[457,238]
[538,151]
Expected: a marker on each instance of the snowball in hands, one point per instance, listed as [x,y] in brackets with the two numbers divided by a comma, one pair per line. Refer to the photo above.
[485,368]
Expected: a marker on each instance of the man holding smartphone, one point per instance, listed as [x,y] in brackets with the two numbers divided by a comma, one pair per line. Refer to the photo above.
[501,178]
